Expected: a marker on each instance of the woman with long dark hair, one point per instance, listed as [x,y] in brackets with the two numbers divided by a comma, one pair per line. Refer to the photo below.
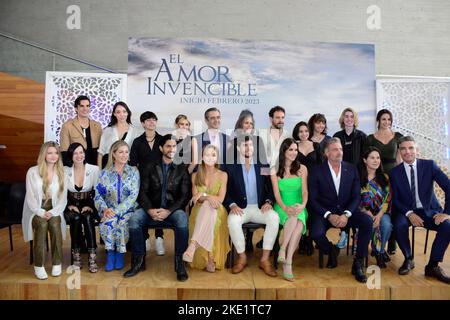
[289,184]
[80,212]
[376,202]
[119,128]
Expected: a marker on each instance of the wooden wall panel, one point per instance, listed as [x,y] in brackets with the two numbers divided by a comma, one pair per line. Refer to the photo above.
[21,125]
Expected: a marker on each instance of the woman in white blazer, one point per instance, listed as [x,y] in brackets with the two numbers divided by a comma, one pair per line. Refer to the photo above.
[45,200]
[119,128]
[80,213]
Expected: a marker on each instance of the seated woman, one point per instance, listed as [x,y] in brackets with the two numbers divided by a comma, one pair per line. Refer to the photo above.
[291,194]
[376,202]
[115,200]
[208,221]
[45,200]
[80,212]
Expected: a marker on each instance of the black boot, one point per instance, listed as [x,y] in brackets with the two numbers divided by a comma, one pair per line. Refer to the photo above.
[137,264]
[357,270]
[302,246]
[332,256]
[180,268]
[249,241]
[406,267]
[380,260]
[392,245]
[309,246]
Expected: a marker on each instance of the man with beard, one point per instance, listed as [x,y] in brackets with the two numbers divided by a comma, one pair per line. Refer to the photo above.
[164,193]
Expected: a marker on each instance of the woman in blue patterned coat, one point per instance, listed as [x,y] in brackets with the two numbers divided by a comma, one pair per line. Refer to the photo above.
[115,200]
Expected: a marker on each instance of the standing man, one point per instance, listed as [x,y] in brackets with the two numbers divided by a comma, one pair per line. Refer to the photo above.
[145,150]
[164,193]
[249,198]
[83,130]
[334,197]
[275,135]
[213,135]
[414,203]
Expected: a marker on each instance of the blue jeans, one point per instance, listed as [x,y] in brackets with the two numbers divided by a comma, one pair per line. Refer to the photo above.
[141,220]
[386,230]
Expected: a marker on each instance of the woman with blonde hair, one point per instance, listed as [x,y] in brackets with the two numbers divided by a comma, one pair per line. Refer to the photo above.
[208,221]
[45,201]
[186,143]
[115,200]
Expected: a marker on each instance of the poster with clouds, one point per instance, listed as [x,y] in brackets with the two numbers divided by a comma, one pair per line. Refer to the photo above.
[187,76]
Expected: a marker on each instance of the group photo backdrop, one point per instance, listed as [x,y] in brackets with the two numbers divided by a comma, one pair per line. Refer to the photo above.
[187,76]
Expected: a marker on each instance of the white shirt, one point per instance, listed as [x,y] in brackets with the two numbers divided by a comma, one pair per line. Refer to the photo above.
[272,145]
[33,202]
[336,177]
[214,137]
[337,182]
[408,175]
[91,174]
[110,135]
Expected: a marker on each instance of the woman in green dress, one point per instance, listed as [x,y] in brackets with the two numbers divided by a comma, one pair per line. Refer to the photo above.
[291,193]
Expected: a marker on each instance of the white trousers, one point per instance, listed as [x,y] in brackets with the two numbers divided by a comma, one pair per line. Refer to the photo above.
[253,214]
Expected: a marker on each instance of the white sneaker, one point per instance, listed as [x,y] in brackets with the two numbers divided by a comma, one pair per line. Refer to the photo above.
[147,245]
[56,270]
[159,243]
[40,273]
[342,243]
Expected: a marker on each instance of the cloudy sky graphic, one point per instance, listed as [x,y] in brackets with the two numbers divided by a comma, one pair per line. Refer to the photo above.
[304,78]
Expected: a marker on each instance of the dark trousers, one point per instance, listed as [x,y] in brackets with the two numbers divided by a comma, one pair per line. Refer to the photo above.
[440,243]
[363,222]
[141,220]
[77,222]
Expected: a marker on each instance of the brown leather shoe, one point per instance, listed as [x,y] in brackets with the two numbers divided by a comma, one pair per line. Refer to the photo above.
[267,267]
[239,266]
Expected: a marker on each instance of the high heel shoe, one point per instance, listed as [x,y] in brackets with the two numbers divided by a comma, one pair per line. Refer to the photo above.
[188,255]
[288,276]
[281,255]
[211,266]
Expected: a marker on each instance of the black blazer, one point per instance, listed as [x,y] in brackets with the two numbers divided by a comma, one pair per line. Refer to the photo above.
[178,187]
[236,186]
[141,154]
[322,195]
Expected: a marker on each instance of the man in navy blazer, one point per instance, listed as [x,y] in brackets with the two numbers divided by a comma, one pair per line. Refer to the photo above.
[213,135]
[249,198]
[414,203]
[334,197]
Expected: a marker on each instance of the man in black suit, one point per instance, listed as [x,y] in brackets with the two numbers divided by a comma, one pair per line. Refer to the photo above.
[213,135]
[334,197]
[250,198]
[164,193]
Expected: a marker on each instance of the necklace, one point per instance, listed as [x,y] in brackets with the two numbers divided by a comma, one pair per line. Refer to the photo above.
[150,140]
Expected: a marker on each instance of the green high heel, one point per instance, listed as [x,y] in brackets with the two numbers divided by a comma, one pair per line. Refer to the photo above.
[281,258]
[288,276]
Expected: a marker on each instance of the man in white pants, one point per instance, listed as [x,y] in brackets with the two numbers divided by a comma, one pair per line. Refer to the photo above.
[249,198]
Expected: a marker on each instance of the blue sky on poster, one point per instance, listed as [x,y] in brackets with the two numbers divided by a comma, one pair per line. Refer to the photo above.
[304,78]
